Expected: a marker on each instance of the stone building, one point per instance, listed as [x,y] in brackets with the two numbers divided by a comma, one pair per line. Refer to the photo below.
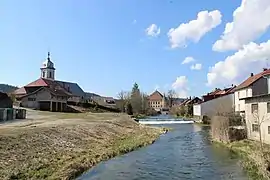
[157,101]
[46,93]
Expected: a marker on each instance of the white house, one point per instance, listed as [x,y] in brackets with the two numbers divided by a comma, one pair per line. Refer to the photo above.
[257,115]
[252,86]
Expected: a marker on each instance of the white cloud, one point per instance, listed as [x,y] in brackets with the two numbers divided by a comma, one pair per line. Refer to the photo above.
[188,60]
[153,30]
[196,66]
[250,21]
[194,30]
[234,69]
[181,86]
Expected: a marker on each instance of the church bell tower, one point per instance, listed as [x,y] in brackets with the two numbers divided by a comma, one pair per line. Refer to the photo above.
[47,69]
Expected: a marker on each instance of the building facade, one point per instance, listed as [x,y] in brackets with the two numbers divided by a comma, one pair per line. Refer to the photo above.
[253,86]
[47,93]
[257,115]
[157,101]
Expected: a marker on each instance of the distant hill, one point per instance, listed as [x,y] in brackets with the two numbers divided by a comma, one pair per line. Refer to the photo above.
[7,88]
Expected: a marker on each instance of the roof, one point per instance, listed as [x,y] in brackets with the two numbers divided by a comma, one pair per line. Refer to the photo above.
[249,81]
[20,91]
[56,91]
[74,88]
[70,87]
[155,96]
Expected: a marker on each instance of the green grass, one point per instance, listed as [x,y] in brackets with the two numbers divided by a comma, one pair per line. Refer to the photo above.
[251,158]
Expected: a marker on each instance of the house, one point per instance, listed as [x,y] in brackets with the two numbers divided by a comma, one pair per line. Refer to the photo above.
[257,116]
[47,93]
[177,102]
[5,101]
[191,101]
[157,101]
[218,101]
[253,86]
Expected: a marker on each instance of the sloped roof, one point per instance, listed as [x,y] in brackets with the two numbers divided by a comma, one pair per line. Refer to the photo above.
[20,91]
[74,88]
[55,91]
[39,82]
[155,96]
[249,81]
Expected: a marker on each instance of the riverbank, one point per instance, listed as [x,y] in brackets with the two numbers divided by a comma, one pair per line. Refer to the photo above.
[252,161]
[63,146]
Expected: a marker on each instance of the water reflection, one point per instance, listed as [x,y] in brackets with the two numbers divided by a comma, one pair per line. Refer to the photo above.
[184,153]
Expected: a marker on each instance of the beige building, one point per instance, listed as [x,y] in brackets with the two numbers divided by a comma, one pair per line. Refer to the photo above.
[257,114]
[253,86]
[47,93]
[157,101]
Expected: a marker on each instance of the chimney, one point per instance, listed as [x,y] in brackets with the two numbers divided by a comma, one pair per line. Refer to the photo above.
[264,69]
[251,74]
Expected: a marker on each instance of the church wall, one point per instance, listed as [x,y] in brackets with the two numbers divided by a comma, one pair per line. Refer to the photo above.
[31,101]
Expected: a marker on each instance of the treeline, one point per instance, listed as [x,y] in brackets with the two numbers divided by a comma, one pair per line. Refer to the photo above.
[134,102]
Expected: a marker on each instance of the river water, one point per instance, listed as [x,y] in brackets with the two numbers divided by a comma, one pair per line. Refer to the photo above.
[183,153]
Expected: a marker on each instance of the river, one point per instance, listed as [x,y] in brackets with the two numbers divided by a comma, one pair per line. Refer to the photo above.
[183,153]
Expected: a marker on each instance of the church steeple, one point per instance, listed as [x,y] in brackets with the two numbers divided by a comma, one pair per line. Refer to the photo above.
[47,69]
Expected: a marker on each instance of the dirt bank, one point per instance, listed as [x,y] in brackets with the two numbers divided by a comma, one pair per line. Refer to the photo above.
[62,146]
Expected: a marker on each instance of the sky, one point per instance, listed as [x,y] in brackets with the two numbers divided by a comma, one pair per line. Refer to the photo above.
[107,45]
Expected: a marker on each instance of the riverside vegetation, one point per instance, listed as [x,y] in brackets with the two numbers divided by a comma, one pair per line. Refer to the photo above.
[63,146]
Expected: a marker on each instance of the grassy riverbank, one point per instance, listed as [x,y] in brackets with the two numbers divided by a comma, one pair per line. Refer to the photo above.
[62,146]
[251,159]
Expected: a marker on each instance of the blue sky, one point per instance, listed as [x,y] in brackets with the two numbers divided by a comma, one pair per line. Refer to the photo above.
[104,47]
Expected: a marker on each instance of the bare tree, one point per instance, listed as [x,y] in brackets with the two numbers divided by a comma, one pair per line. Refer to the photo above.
[123,97]
[259,119]
[171,95]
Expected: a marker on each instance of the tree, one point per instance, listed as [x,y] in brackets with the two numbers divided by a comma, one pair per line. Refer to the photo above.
[171,95]
[145,106]
[136,99]
[129,109]
[123,97]
[259,120]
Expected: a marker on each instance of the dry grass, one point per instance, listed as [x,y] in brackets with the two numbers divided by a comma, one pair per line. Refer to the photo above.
[62,146]
[253,161]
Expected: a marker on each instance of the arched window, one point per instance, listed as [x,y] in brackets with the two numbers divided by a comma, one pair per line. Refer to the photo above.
[50,75]
[43,74]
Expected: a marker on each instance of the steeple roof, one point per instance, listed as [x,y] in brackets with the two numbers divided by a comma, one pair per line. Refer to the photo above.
[48,64]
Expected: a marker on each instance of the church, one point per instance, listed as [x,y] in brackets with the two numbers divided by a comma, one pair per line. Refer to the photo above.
[47,93]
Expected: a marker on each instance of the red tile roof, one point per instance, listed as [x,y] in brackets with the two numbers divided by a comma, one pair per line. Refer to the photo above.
[39,82]
[20,91]
[249,81]
[155,96]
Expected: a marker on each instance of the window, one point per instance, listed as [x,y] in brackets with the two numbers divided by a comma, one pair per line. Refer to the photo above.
[43,74]
[254,108]
[50,75]
[268,129]
[268,107]
[239,107]
[255,128]
[247,93]
[31,99]
[238,94]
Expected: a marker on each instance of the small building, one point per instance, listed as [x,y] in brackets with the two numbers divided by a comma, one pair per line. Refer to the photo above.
[191,101]
[255,85]
[5,101]
[157,101]
[257,116]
